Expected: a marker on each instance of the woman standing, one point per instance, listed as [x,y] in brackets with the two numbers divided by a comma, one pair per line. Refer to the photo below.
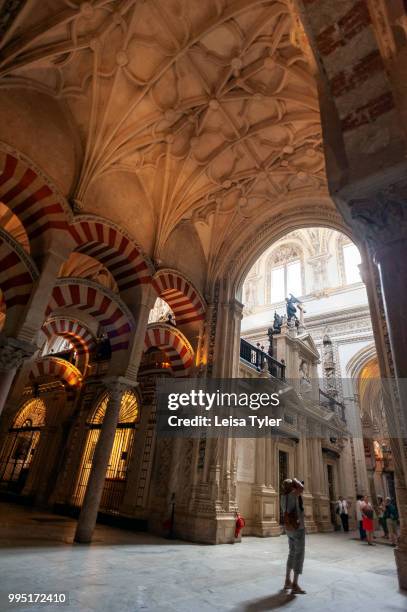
[293,513]
[380,515]
[359,517]
[367,520]
[391,518]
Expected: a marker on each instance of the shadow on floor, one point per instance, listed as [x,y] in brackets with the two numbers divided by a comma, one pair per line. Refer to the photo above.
[22,527]
[271,602]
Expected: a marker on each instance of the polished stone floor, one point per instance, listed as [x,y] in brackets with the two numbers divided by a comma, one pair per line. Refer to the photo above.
[126,571]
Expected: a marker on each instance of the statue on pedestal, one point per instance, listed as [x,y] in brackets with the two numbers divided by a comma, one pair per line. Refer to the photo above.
[292,310]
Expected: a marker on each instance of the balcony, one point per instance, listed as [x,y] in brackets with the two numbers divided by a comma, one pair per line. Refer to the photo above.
[256,358]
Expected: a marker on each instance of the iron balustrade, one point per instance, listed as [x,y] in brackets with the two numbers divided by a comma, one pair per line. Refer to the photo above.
[256,358]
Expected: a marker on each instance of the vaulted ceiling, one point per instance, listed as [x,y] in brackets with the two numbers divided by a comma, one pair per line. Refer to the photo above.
[184,111]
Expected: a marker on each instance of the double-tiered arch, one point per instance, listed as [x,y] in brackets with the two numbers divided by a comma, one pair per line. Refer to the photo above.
[174,344]
[76,332]
[184,299]
[98,302]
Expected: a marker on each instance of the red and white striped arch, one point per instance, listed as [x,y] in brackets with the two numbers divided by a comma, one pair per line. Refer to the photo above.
[170,340]
[179,293]
[31,196]
[108,244]
[74,331]
[103,305]
[48,367]
[17,274]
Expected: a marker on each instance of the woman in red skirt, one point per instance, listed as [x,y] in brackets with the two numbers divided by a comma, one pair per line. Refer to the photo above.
[367,520]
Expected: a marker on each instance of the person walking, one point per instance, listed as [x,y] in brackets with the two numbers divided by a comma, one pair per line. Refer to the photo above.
[367,520]
[359,517]
[391,516]
[342,508]
[380,515]
[293,512]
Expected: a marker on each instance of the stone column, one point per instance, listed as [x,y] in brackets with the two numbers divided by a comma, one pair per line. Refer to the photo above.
[381,219]
[140,309]
[94,489]
[21,334]
[12,354]
[227,348]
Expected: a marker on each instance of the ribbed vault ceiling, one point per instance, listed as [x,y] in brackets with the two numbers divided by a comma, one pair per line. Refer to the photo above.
[209,106]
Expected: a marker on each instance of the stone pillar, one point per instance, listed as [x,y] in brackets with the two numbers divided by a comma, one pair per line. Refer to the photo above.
[144,302]
[321,504]
[94,489]
[12,354]
[33,318]
[22,334]
[303,472]
[381,219]
[227,349]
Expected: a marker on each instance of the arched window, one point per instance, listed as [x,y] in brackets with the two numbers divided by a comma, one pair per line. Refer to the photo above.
[116,473]
[20,445]
[285,274]
[349,260]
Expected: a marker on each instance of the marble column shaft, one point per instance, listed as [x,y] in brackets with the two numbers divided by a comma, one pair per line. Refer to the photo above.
[94,489]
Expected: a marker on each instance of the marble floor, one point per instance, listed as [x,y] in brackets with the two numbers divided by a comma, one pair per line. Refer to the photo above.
[126,571]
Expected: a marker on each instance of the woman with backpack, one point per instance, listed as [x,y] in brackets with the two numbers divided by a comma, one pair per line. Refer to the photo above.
[293,512]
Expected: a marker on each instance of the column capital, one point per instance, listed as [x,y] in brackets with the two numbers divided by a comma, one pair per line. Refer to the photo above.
[235,306]
[117,385]
[381,218]
[13,352]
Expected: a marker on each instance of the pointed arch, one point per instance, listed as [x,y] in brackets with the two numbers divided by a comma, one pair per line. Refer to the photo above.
[103,240]
[184,299]
[52,367]
[173,343]
[106,307]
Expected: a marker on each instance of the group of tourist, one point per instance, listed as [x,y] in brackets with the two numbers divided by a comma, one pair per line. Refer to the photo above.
[292,509]
[385,512]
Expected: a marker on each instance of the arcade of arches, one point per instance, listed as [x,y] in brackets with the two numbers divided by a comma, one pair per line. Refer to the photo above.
[151,152]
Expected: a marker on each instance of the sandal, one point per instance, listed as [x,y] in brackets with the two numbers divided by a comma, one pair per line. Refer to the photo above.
[287,585]
[297,590]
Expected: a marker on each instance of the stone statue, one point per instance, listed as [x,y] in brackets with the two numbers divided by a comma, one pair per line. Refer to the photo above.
[278,321]
[270,333]
[305,381]
[329,365]
[292,309]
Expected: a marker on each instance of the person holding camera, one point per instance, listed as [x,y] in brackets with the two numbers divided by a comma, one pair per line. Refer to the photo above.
[292,509]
